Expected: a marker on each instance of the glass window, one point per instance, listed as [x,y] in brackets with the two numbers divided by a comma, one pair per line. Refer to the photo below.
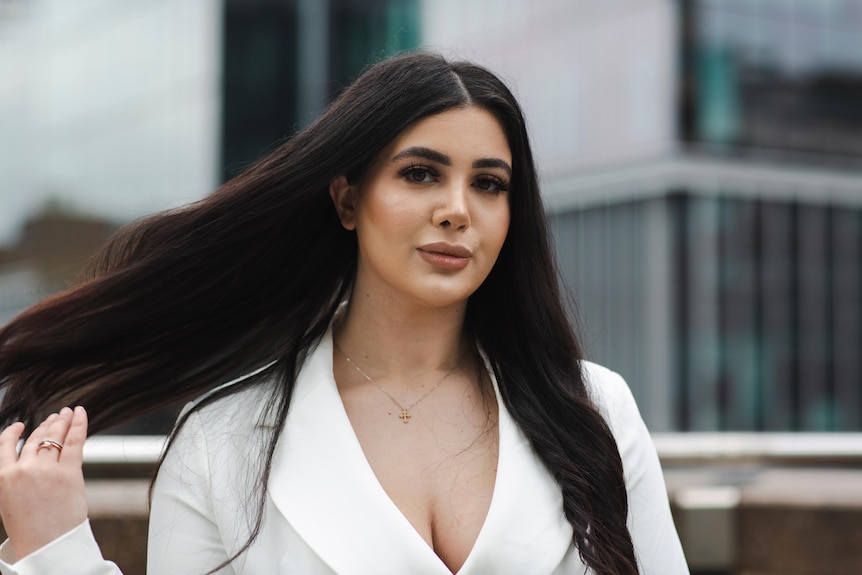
[774,76]
[263,63]
[764,308]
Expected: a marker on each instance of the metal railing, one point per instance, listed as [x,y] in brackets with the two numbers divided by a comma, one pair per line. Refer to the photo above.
[707,474]
[817,449]
[139,452]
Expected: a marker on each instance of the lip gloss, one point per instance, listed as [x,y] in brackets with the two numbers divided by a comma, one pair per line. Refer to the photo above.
[444,261]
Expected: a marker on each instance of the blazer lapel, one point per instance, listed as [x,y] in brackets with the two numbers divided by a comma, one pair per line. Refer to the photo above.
[325,488]
[525,531]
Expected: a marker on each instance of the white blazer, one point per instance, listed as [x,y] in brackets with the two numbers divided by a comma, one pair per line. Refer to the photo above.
[327,514]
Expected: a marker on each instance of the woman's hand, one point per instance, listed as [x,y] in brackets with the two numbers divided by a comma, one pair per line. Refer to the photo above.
[42,491]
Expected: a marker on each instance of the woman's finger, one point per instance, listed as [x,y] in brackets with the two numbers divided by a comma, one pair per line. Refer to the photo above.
[38,434]
[41,498]
[73,448]
[56,434]
[9,443]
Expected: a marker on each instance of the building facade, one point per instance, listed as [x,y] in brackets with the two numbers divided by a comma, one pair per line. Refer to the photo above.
[702,166]
[115,110]
[701,160]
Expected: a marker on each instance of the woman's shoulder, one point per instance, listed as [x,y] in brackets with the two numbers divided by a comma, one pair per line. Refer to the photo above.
[232,409]
[603,384]
[610,394]
[219,437]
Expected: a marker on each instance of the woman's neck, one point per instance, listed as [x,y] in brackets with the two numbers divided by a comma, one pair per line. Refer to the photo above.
[402,341]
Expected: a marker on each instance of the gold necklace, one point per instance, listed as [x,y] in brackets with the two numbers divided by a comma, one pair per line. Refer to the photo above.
[405,411]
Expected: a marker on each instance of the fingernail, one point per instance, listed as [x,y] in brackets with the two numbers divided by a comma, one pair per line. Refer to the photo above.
[66,411]
[79,409]
[51,417]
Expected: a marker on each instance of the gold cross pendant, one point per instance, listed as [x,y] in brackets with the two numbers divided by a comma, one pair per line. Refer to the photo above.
[405,416]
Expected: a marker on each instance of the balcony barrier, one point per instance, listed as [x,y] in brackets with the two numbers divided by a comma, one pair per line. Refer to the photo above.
[764,503]
[133,453]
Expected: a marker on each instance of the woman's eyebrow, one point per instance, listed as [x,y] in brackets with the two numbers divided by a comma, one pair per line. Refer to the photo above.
[493,163]
[440,158]
[425,154]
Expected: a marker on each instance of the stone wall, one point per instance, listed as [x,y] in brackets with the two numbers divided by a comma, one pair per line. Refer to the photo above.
[732,520]
[769,521]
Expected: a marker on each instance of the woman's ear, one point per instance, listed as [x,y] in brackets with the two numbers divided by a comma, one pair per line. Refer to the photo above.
[343,195]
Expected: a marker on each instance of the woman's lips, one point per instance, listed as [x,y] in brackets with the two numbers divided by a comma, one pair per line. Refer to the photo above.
[445,256]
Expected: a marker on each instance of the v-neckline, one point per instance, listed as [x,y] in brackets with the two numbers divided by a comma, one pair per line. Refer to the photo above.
[323,485]
[368,470]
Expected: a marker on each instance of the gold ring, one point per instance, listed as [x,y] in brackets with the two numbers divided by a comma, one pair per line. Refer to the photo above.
[49,443]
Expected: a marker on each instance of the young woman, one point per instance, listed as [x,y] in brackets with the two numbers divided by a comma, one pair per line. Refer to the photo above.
[406,394]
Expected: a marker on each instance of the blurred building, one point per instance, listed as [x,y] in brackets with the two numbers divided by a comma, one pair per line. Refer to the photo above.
[112,107]
[701,159]
[284,60]
[50,254]
[124,109]
[121,109]
[703,165]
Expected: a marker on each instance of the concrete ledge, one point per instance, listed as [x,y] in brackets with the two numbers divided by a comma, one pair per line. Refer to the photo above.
[785,540]
[812,517]
[736,448]
[119,516]
[124,541]
[769,521]
[743,520]
[733,520]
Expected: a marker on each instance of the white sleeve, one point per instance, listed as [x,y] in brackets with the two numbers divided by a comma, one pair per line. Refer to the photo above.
[73,553]
[657,546]
[184,538]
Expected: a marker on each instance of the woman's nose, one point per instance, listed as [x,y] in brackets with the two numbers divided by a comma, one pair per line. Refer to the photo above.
[452,211]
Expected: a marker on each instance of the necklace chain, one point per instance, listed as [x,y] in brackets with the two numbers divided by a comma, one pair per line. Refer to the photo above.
[405,411]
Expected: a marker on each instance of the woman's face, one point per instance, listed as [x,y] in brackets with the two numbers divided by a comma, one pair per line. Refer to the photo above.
[432,211]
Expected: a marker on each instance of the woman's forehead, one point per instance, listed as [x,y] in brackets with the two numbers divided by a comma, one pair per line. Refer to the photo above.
[469,132]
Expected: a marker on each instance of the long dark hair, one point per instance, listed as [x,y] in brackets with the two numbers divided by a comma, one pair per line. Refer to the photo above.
[251,276]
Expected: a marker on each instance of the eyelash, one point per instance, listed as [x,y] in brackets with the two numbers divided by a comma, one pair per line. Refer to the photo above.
[415,169]
[501,184]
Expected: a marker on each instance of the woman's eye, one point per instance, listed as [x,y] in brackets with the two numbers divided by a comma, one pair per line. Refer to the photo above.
[492,185]
[418,175]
